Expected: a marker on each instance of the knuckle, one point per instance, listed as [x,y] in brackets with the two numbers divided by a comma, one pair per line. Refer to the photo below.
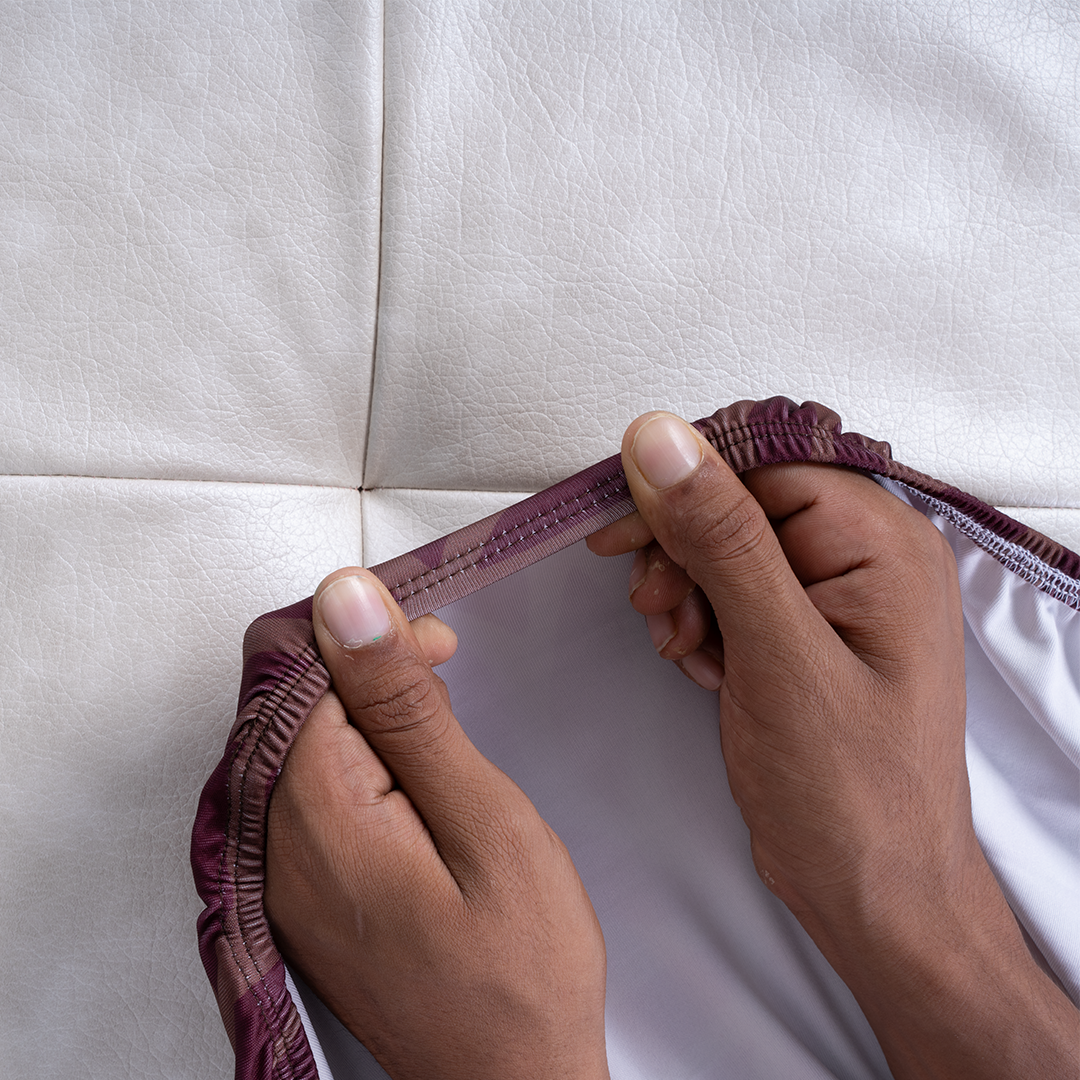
[927,549]
[732,535]
[405,704]
[521,853]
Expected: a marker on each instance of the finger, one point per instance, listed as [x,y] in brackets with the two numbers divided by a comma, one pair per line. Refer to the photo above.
[657,582]
[437,641]
[849,541]
[336,830]
[625,535]
[400,706]
[829,520]
[682,630]
[714,528]
[330,755]
[705,665]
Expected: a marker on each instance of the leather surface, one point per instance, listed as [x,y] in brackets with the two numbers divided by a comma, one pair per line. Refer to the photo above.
[124,605]
[190,199]
[585,210]
[592,209]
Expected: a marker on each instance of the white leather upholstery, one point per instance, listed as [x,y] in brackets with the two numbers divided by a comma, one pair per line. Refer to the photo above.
[594,209]
[190,248]
[123,602]
[229,233]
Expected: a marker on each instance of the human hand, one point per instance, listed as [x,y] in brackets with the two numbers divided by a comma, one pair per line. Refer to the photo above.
[827,615]
[412,883]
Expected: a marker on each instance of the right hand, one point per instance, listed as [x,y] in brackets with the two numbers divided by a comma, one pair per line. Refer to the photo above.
[826,614]
[413,884]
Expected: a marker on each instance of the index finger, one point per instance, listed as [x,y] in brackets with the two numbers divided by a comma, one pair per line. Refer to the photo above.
[828,520]
[621,537]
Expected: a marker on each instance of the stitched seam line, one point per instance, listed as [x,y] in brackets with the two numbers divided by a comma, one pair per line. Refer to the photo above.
[506,532]
[747,434]
[1013,556]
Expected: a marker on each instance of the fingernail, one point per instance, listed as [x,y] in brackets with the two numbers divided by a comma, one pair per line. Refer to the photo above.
[666,451]
[638,570]
[704,669]
[354,612]
[661,629]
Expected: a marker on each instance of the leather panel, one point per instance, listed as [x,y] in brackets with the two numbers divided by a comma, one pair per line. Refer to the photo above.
[124,607]
[189,254]
[595,210]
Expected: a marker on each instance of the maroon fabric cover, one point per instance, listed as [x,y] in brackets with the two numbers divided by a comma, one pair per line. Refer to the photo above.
[284,677]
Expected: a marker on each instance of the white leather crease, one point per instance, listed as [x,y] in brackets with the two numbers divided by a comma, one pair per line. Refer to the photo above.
[709,975]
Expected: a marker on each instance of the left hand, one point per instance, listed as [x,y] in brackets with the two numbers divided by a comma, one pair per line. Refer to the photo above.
[412,883]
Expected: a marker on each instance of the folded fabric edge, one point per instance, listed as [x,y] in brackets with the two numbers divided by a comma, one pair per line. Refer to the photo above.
[284,677]
[747,434]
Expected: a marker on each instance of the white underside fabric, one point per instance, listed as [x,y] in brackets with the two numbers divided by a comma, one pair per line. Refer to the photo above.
[1022,650]
[709,976]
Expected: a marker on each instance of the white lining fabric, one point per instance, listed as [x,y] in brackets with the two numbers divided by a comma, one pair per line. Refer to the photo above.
[708,974]
[1022,649]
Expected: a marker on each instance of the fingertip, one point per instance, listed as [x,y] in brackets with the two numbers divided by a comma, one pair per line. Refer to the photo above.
[664,449]
[639,569]
[352,607]
[437,640]
[704,669]
[683,629]
[661,627]
[621,537]
[657,583]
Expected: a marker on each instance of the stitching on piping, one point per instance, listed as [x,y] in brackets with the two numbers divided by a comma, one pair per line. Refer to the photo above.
[816,432]
[748,434]
[506,532]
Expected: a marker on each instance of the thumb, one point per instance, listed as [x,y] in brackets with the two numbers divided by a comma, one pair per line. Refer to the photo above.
[708,523]
[382,675]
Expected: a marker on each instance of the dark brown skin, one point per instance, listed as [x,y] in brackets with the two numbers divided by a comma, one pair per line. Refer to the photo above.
[420,894]
[829,616]
[417,889]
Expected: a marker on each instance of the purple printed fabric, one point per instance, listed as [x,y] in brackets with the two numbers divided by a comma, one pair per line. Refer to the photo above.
[284,677]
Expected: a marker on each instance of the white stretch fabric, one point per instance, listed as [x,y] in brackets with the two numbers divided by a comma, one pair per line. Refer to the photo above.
[708,974]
